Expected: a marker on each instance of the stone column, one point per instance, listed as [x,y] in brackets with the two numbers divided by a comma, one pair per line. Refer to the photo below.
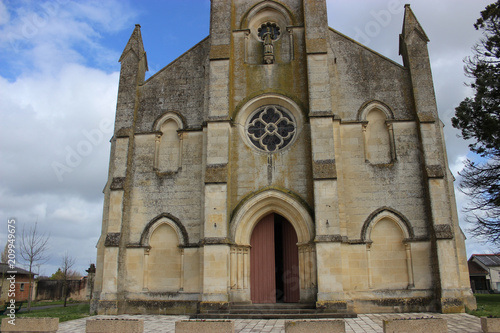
[145,279]
[409,265]
[368,259]
[181,287]
[216,251]
[328,238]
[240,277]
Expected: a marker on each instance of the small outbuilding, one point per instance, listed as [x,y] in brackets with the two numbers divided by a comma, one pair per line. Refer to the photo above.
[21,283]
[484,272]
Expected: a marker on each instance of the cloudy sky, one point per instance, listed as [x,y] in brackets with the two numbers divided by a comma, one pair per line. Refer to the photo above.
[59,79]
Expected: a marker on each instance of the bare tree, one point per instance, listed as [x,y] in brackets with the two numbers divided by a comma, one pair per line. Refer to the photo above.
[4,259]
[33,250]
[66,263]
[5,253]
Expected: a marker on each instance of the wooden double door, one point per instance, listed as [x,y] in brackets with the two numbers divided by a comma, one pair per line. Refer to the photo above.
[274,262]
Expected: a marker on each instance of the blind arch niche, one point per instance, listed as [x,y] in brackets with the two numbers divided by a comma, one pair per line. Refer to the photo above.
[168,143]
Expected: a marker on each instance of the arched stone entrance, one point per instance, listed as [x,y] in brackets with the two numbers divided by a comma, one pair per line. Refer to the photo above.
[274,262]
[295,221]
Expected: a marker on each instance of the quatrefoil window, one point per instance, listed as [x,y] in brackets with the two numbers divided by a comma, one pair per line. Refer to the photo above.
[271,128]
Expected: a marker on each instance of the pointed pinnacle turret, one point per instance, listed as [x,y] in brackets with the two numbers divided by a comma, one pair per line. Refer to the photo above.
[411,24]
[413,47]
[134,65]
[135,45]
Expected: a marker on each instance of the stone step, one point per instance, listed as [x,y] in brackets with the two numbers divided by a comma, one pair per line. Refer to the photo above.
[267,308]
[271,311]
[291,311]
[254,311]
[274,306]
[273,315]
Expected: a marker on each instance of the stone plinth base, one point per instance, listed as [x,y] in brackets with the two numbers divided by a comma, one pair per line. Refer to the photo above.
[424,325]
[490,325]
[39,325]
[115,326]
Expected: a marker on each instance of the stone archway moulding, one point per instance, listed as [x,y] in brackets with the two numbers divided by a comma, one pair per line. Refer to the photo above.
[391,214]
[169,220]
[169,115]
[374,104]
[267,202]
[266,11]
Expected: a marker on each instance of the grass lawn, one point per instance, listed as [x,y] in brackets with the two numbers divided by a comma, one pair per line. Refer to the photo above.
[487,305]
[64,314]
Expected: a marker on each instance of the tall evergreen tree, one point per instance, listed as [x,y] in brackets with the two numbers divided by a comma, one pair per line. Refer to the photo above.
[479,120]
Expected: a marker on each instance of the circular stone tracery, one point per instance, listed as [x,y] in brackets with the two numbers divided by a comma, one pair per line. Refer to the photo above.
[271,128]
[269,28]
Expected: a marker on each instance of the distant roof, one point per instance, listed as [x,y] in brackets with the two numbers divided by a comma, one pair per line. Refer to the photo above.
[474,268]
[4,268]
[488,259]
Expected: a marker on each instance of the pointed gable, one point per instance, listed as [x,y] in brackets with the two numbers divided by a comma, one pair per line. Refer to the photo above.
[411,25]
[135,45]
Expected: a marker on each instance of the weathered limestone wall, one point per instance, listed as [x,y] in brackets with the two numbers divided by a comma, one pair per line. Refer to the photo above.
[177,194]
[378,167]
[359,75]
[367,187]
[179,87]
[364,182]
[252,170]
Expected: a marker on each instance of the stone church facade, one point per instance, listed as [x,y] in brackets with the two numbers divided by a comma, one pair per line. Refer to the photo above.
[280,161]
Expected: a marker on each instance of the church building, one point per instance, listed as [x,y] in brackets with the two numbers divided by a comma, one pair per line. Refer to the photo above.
[280,161]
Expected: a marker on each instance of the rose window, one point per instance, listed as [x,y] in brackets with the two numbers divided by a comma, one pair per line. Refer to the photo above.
[271,128]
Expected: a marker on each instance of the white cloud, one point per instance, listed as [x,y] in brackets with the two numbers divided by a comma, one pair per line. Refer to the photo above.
[4,14]
[43,35]
[457,165]
[52,118]
[43,117]
[110,16]
[71,222]
[53,104]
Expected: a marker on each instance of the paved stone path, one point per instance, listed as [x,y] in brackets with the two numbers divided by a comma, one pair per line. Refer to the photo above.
[457,323]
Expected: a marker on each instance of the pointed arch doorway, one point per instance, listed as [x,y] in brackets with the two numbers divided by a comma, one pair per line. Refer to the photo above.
[274,262]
